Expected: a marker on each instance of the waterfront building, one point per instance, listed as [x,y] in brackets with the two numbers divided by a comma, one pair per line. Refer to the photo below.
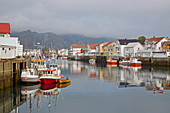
[153,47]
[109,49]
[166,47]
[131,49]
[101,49]
[75,49]
[122,43]
[63,52]
[92,49]
[10,47]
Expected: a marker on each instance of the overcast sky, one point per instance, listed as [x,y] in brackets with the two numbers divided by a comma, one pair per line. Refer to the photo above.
[110,18]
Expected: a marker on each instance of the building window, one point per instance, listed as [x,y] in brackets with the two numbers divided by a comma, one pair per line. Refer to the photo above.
[9,48]
[2,48]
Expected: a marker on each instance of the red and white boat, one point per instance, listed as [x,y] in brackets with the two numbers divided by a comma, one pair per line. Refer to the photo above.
[135,63]
[51,76]
[111,61]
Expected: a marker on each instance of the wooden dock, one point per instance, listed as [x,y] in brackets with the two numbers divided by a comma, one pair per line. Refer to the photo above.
[10,71]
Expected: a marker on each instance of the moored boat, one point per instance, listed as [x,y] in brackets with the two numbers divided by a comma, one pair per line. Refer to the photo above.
[51,76]
[63,81]
[29,75]
[111,61]
[135,63]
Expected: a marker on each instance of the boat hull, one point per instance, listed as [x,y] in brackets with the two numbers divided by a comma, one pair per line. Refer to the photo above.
[63,81]
[110,62]
[48,81]
[29,80]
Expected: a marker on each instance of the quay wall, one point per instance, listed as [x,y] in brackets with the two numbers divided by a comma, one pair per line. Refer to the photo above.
[146,61]
[155,61]
[10,71]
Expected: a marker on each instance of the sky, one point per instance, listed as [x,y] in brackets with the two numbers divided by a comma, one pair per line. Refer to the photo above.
[97,18]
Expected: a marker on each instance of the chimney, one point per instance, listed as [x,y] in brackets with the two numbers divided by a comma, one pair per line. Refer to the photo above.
[154,37]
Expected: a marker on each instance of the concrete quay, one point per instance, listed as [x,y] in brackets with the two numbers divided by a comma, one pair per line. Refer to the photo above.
[10,71]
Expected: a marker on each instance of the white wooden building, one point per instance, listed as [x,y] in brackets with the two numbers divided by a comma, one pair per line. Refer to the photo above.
[10,47]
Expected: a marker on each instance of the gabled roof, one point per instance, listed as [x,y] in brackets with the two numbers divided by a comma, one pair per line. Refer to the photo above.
[133,44]
[108,44]
[78,46]
[126,41]
[156,40]
[5,28]
[167,42]
[93,45]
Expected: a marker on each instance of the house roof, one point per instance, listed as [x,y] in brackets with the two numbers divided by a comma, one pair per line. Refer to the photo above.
[93,45]
[5,28]
[133,44]
[156,40]
[108,44]
[167,42]
[126,41]
[78,46]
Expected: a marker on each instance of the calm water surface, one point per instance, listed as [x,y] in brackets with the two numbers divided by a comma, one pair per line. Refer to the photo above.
[95,89]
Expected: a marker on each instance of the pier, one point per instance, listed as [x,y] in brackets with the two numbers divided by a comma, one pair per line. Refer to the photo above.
[10,71]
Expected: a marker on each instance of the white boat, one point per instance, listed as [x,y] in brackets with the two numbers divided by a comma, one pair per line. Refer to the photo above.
[92,61]
[30,75]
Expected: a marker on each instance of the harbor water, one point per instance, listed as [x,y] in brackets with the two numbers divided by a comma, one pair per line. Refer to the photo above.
[94,89]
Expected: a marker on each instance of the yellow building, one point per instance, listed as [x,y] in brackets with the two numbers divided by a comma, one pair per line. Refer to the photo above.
[107,49]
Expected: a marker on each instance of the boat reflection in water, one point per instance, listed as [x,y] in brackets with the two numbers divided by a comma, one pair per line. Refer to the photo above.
[33,97]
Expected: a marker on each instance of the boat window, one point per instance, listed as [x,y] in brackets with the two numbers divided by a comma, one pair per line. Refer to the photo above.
[48,72]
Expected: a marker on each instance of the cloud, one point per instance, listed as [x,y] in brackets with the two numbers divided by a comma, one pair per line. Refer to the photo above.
[112,18]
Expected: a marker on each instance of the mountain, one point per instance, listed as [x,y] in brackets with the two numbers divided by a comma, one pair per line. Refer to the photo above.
[51,40]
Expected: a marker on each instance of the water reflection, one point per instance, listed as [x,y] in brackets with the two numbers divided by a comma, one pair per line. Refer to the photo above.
[32,96]
[91,85]
[153,79]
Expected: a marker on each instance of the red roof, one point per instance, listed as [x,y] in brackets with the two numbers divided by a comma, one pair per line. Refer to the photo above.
[107,44]
[5,28]
[49,70]
[167,42]
[156,40]
[78,46]
[93,45]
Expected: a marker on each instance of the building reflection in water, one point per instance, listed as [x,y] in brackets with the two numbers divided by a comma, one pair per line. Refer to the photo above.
[153,79]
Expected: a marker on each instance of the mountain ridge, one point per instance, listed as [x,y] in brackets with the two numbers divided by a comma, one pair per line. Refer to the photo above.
[54,41]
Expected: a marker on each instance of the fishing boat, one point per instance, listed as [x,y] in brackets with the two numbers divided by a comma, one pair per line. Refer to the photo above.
[30,75]
[38,63]
[51,76]
[92,61]
[124,62]
[63,81]
[135,63]
[111,61]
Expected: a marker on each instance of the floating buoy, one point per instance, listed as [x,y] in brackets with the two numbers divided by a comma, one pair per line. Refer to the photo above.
[62,76]
[25,78]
